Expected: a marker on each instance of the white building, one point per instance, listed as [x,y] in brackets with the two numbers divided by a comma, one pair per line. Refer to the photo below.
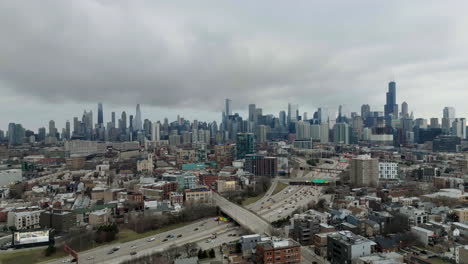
[156,131]
[423,235]
[24,220]
[388,170]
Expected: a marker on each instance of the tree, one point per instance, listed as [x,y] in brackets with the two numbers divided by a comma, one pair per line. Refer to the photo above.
[212,253]
[200,253]
[50,250]
[320,205]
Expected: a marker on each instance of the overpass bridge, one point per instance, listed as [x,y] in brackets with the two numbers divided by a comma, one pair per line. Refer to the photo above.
[244,217]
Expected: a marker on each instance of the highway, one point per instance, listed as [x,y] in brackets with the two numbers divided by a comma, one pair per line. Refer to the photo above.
[281,207]
[244,217]
[142,246]
[266,196]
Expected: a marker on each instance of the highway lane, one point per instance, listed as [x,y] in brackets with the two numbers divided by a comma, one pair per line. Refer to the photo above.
[188,234]
[279,209]
[266,196]
[244,217]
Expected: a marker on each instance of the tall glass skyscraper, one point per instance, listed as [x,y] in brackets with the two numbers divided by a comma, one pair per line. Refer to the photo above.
[100,115]
[391,107]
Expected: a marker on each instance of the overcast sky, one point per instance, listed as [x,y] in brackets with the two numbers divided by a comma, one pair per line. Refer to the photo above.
[184,57]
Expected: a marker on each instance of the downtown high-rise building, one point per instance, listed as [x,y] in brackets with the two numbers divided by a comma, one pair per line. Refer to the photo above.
[137,123]
[52,129]
[341,133]
[448,116]
[16,134]
[391,107]
[245,144]
[252,114]
[404,110]
[365,111]
[293,113]
[282,118]
[113,119]
[156,131]
[67,130]
[434,123]
[100,116]
[228,107]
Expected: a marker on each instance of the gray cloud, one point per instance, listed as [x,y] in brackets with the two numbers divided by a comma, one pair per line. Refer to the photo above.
[194,54]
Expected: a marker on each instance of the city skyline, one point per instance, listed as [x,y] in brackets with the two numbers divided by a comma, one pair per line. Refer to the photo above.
[192,58]
[106,116]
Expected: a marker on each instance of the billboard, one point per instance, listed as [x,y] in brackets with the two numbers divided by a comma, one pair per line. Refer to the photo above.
[32,237]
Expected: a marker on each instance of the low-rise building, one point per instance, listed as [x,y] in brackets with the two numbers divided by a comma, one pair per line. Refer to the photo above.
[198,195]
[24,220]
[462,214]
[100,217]
[344,247]
[225,186]
[278,251]
[60,221]
[423,235]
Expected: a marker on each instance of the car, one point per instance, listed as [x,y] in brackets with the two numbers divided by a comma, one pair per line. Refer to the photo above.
[66,260]
[116,248]
[164,240]
[90,258]
[133,247]
[179,235]
[234,234]
[133,253]
[151,239]
[110,252]
[170,236]
[196,229]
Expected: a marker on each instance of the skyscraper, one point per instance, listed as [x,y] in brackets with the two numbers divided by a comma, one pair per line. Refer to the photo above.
[156,131]
[293,112]
[404,110]
[137,123]
[252,114]
[52,129]
[245,144]
[100,116]
[449,112]
[341,133]
[123,123]
[228,109]
[15,134]
[282,118]
[67,130]
[391,107]
[459,128]
[365,111]
[113,119]
[302,130]
[435,122]
[448,116]
[322,113]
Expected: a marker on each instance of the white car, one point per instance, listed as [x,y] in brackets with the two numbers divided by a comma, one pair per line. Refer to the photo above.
[133,247]
[90,258]
[151,239]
